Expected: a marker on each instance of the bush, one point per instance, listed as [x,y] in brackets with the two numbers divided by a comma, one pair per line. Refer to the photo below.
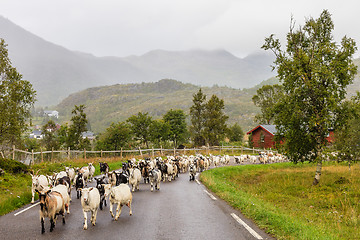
[13,166]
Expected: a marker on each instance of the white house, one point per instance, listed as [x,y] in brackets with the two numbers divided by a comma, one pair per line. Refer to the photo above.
[89,135]
[37,134]
[52,113]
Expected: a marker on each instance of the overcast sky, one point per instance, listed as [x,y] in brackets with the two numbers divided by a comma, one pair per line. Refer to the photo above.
[134,27]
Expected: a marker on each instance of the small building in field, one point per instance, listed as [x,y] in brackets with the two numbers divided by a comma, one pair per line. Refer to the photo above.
[89,135]
[262,136]
[36,134]
[52,113]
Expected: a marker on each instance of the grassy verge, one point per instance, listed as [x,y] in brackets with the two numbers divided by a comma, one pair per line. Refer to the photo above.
[281,199]
[15,187]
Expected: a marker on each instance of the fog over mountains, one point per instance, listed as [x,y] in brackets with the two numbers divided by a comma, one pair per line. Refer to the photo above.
[56,72]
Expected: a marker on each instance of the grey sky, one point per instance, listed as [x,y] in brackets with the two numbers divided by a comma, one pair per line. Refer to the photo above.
[134,27]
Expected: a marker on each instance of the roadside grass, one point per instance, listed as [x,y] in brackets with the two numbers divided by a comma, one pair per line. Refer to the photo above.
[15,188]
[281,199]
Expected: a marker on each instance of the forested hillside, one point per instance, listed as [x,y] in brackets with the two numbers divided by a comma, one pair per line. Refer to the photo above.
[118,102]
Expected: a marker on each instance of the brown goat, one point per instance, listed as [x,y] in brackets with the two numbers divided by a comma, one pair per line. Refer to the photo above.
[51,205]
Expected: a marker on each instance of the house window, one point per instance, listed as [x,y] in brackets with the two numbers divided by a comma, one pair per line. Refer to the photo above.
[262,138]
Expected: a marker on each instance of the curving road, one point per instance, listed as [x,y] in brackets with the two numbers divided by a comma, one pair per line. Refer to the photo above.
[180,210]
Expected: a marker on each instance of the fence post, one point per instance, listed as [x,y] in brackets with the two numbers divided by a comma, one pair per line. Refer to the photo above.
[85,153]
[100,153]
[140,152]
[242,150]
[174,151]
[68,153]
[121,150]
[153,154]
[42,157]
[13,152]
[52,154]
[161,151]
[232,150]
[220,149]
[253,150]
[32,157]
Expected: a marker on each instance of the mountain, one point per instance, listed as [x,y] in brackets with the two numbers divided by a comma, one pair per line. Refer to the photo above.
[115,103]
[56,72]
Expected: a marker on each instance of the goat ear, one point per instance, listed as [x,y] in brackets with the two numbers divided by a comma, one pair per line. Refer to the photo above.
[48,191]
[90,189]
[36,190]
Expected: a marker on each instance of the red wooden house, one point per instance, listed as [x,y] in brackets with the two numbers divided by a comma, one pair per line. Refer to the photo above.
[263,136]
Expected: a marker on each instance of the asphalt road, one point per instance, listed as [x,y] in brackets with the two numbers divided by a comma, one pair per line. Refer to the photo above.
[180,210]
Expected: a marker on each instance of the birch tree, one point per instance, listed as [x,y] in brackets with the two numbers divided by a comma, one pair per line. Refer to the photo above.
[314,71]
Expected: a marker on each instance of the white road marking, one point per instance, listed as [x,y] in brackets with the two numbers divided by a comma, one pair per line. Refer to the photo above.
[255,234]
[197,181]
[26,209]
[210,195]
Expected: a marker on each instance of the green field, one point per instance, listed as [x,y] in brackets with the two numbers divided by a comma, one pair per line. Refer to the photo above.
[15,188]
[281,199]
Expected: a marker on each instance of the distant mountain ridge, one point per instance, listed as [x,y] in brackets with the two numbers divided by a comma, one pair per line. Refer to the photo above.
[56,72]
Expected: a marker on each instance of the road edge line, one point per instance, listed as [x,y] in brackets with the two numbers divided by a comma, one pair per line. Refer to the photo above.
[210,195]
[252,231]
[26,209]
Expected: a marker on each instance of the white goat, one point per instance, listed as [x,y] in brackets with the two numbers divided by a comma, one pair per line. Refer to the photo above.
[170,172]
[134,178]
[71,173]
[63,190]
[38,183]
[90,201]
[120,195]
[91,171]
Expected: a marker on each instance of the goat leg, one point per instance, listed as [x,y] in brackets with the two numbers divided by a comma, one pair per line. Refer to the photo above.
[42,226]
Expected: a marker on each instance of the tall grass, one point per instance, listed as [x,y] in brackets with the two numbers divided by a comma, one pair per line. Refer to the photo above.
[281,198]
[15,189]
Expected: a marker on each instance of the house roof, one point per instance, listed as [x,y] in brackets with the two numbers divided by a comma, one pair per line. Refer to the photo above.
[269,128]
[37,132]
[87,134]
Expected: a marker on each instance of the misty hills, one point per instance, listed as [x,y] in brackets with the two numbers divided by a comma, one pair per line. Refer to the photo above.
[56,72]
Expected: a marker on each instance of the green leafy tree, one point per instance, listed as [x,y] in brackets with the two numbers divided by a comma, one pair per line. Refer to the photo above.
[197,118]
[17,98]
[235,133]
[215,127]
[266,98]
[140,125]
[62,135]
[115,137]
[178,128]
[347,137]
[160,132]
[315,72]
[50,139]
[71,136]
[77,127]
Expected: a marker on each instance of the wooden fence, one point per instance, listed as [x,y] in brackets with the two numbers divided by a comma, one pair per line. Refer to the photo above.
[62,155]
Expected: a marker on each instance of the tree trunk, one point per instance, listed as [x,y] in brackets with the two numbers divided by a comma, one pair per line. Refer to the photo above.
[318,172]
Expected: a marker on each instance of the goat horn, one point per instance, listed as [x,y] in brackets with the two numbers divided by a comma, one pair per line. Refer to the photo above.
[37,172]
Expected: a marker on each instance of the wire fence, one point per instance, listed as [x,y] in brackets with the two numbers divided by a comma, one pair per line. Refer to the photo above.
[32,157]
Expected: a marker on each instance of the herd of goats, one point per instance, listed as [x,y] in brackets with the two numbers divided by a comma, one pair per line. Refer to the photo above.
[55,191]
